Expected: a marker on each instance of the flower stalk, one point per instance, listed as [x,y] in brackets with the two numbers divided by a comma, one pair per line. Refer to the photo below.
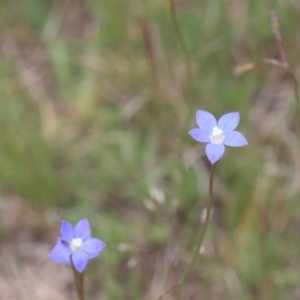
[203,232]
[79,283]
[282,62]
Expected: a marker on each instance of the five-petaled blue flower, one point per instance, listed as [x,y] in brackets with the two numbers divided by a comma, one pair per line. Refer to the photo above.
[76,244]
[217,134]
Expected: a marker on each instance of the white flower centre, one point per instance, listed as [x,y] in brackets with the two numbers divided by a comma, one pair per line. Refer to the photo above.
[76,244]
[217,136]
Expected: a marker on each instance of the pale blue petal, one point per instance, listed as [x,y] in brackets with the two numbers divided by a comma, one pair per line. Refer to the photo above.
[80,260]
[66,230]
[229,122]
[82,229]
[214,152]
[205,120]
[235,139]
[61,252]
[200,135]
[92,247]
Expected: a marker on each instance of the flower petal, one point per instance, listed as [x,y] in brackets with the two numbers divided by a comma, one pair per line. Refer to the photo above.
[92,247]
[205,120]
[80,260]
[214,152]
[200,135]
[61,253]
[66,230]
[229,122]
[82,229]
[235,139]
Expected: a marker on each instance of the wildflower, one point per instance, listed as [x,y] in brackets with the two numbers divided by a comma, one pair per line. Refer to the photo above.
[217,134]
[76,244]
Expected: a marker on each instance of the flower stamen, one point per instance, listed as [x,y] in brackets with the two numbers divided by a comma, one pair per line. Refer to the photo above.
[76,244]
[217,136]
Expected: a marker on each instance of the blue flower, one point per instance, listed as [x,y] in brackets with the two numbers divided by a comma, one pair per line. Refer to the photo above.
[76,243]
[217,134]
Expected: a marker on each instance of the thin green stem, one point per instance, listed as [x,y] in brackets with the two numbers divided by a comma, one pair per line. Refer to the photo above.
[202,235]
[78,278]
[81,286]
[181,40]
[289,70]
[297,97]
[284,63]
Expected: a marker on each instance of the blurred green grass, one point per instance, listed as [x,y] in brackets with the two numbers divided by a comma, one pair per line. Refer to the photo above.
[95,110]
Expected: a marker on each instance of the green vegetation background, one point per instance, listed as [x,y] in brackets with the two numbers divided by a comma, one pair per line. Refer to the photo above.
[96,103]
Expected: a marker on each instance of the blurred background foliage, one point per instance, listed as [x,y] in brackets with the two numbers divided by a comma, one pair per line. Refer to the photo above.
[96,103]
